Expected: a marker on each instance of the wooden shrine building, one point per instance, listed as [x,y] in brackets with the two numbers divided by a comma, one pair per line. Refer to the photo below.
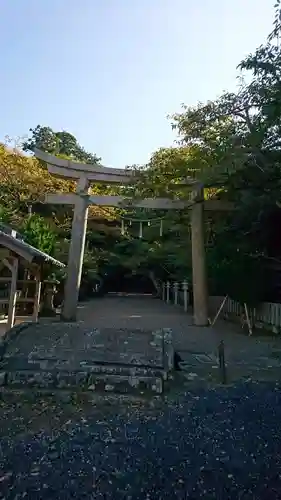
[17,255]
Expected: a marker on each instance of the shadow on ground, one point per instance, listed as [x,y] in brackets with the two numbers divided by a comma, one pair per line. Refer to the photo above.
[216,443]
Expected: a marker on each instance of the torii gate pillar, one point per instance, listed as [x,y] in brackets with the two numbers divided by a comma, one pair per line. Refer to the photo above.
[199,272]
[76,252]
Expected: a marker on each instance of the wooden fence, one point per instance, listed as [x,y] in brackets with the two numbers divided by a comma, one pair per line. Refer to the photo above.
[267,316]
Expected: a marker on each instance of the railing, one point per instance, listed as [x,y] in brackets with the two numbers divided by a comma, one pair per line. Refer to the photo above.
[4,294]
[267,316]
[25,295]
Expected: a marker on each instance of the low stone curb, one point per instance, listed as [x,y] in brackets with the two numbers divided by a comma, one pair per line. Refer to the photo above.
[11,335]
[81,380]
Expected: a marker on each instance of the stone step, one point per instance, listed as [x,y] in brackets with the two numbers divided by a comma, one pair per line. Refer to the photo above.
[63,355]
[84,381]
[20,362]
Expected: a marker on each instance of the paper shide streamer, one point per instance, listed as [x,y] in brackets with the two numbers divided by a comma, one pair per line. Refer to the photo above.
[141,224]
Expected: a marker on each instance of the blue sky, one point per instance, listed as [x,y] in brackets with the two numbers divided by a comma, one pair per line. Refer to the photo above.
[109,71]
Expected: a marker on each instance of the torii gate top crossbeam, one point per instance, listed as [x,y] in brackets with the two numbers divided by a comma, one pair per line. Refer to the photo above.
[93,172]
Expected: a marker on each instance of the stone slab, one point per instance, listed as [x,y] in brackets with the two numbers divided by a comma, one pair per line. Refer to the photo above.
[62,355]
[77,344]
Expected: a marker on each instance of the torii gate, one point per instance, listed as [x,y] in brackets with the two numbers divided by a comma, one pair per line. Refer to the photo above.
[84,175]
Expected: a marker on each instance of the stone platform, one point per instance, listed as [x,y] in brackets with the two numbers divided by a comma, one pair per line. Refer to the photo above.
[55,355]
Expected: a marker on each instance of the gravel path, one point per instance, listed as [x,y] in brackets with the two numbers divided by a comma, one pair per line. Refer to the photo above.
[221,443]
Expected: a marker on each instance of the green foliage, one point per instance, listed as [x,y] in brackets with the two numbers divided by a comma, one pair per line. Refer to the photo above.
[38,233]
[5,214]
[59,143]
[233,271]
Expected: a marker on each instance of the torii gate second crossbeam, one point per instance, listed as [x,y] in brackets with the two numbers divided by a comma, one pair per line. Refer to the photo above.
[85,175]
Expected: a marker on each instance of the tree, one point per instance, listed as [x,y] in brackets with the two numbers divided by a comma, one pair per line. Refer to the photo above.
[37,232]
[239,137]
[59,143]
[231,144]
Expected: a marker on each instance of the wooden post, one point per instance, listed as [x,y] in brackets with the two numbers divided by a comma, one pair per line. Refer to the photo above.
[219,310]
[76,252]
[222,366]
[200,289]
[37,296]
[13,292]
[248,319]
